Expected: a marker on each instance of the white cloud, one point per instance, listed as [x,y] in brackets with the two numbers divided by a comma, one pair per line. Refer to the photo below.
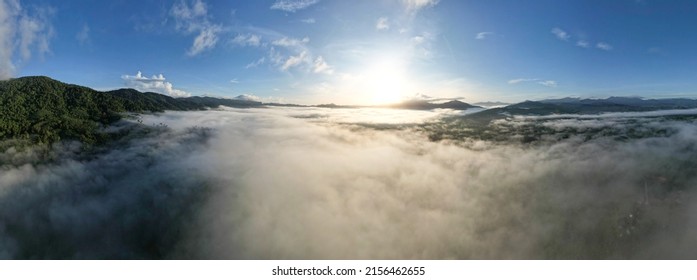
[517,81]
[561,34]
[294,61]
[275,56]
[156,83]
[564,36]
[422,46]
[290,42]
[252,97]
[604,46]
[247,40]
[284,53]
[414,6]
[292,5]
[483,35]
[248,97]
[35,32]
[308,20]
[294,54]
[321,66]
[256,63]
[235,81]
[205,40]
[23,31]
[192,17]
[548,83]
[83,37]
[382,24]
[9,11]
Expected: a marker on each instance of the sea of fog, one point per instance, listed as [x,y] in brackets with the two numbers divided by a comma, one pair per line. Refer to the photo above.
[312,183]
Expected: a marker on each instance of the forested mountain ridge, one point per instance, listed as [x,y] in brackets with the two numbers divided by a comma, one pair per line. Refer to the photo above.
[581,106]
[44,110]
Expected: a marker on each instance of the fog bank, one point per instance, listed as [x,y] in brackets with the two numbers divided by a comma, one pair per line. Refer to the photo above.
[332,184]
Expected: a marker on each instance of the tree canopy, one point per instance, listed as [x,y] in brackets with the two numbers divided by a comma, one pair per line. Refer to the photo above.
[45,110]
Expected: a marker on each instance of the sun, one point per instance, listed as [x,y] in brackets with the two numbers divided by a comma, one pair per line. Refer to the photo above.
[386,82]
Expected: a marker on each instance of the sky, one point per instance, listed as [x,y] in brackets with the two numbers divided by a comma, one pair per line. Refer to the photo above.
[358,52]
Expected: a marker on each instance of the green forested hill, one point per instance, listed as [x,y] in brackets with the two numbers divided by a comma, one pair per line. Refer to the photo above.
[136,101]
[45,110]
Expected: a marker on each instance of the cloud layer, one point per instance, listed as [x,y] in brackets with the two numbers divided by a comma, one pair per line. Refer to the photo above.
[320,183]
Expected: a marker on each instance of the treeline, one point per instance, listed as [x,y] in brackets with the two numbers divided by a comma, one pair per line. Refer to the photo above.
[44,110]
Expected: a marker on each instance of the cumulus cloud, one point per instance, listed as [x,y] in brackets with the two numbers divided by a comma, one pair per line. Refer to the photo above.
[583,44]
[382,24]
[248,97]
[414,6]
[295,60]
[192,18]
[560,34]
[311,183]
[23,31]
[308,20]
[293,6]
[604,46]
[247,40]
[483,35]
[205,40]
[156,83]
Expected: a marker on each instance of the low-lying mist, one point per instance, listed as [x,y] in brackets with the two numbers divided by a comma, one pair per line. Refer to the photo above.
[303,183]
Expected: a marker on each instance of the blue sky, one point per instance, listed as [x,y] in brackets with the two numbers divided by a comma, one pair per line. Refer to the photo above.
[358,52]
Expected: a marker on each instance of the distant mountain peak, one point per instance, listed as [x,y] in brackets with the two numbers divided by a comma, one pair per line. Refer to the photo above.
[430,105]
